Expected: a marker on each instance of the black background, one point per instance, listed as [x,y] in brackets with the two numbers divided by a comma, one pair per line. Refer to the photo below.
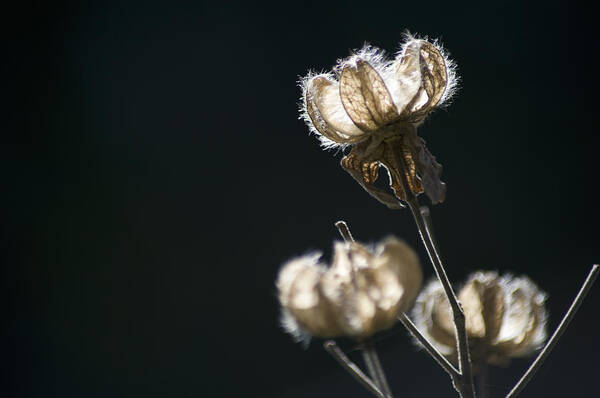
[156,177]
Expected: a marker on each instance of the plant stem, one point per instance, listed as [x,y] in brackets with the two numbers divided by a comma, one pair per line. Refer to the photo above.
[465,385]
[332,348]
[431,350]
[368,349]
[537,363]
[370,366]
[344,231]
[426,215]
[375,369]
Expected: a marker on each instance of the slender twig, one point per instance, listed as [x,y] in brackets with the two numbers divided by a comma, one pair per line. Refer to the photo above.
[381,377]
[375,368]
[368,349]
[332,348]
[431,350]
[585,288]
[426,214]
[368,359]
[344,231]
[465,385]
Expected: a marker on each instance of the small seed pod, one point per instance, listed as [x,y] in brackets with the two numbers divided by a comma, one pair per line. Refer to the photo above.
[505,317]
[362,292]
[375,105]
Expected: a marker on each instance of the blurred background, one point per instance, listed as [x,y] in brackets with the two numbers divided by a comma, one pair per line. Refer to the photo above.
[157,176]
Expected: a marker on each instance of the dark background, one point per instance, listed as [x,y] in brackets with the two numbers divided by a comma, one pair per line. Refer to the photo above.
[156,177]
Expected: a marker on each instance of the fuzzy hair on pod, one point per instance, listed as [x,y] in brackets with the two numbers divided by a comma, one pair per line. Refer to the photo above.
[368,91]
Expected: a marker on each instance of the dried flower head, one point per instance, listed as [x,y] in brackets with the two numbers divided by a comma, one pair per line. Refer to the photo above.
[505,317]
[362,292]
[375,105]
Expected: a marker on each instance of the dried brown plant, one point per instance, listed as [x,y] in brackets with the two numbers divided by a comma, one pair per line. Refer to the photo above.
[374,106]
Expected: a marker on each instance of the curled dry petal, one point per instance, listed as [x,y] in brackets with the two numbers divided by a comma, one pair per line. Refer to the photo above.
[505,317]
[428,169]
[523,325]
[433,317]
[365,97]
[482,300]
[361,293]
[324,107]
[397,158]
[424,62]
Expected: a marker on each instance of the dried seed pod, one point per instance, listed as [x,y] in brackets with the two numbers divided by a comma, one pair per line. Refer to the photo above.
[362,292]
[505,317]
[376,105]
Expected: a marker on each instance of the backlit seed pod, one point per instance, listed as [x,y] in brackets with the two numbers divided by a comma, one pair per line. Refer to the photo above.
[375,105]
[505,317]
[362,292]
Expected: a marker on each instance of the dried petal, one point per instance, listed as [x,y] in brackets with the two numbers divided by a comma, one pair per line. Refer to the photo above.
[395,156]
[428,168]
[356,167]
[404,78]
[423,59]
[482,299]
[365,96]
[304,306]
[327,98]
[523,325]
[432,316]
[396,256]
[326,112]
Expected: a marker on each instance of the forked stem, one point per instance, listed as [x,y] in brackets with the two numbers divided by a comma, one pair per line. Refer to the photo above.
[464,383]
[431,350]
[585,288]
[375,369]
[332,348]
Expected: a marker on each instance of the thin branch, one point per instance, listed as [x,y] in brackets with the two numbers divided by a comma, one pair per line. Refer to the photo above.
[431,350]
[344,231]
[332,348]
[370,367]
[585,288]
[368,349]
[375,368]
[465,386]
[426,215]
